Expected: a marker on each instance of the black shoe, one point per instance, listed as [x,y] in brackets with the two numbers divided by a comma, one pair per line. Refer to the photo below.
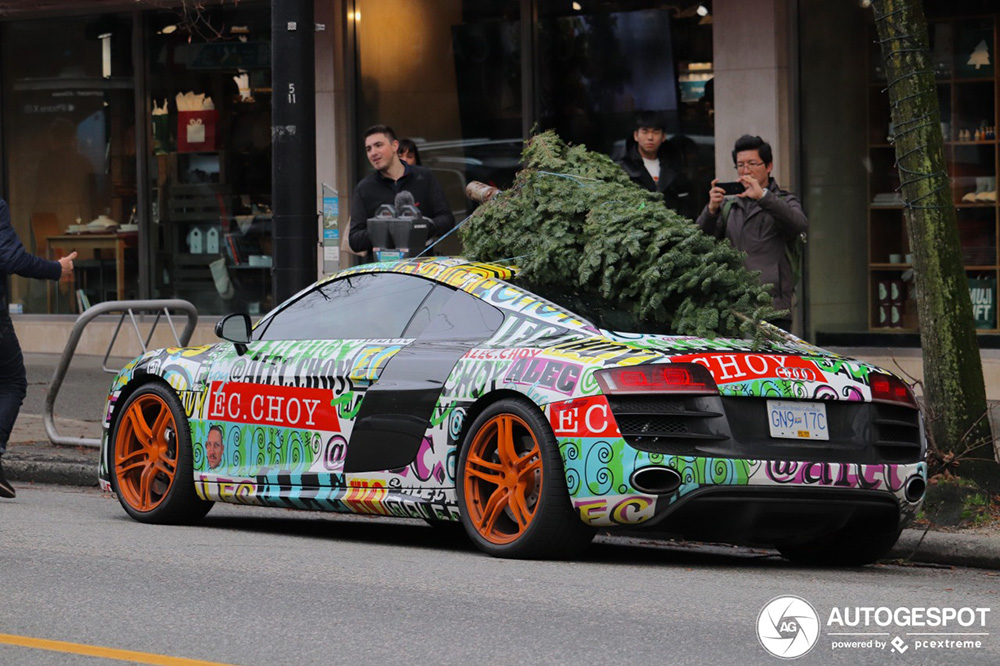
[6,490]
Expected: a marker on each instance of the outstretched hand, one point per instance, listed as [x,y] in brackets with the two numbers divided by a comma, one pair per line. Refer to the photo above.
[67,263]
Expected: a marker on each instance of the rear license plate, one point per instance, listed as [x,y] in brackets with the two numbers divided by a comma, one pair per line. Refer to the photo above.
[797,420]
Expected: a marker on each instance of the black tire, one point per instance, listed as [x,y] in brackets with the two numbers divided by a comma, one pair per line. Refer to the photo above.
[841,549]
[150,463]
[514,501]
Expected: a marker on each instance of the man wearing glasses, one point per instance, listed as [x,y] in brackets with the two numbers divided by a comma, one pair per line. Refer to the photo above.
[763,220]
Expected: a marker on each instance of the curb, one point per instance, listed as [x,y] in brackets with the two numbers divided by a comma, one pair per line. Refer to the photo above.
[54,472]
[977,550]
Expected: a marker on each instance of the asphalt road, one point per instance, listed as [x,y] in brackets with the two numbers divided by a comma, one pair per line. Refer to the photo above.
[264,586]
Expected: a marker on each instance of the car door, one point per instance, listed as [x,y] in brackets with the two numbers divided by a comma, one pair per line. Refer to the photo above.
[396,412]
[288,404]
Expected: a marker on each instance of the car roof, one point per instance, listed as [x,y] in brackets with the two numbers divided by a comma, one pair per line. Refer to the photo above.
[454,271]
[476,278]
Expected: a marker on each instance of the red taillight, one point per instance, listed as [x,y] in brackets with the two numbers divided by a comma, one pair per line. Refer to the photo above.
[886,388]
[673,377]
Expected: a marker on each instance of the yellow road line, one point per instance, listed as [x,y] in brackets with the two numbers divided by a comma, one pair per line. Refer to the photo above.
[107,653]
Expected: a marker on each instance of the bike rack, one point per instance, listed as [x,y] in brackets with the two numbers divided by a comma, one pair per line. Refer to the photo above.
[161,307]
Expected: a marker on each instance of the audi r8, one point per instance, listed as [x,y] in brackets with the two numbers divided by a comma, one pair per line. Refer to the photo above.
[449,391]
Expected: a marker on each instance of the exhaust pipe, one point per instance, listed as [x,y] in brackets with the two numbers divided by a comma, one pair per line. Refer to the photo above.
[914,488]
[656,480]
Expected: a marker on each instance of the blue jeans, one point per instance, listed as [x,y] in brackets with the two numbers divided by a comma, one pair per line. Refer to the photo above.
[13,380]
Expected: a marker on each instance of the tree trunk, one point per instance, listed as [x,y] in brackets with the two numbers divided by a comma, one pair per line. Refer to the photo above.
[953,374]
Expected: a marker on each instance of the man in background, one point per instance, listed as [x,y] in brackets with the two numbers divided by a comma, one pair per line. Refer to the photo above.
[391,177]
[653,163]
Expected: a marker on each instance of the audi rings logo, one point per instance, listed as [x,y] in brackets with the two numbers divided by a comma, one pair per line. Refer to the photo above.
[788,627]
[804,374]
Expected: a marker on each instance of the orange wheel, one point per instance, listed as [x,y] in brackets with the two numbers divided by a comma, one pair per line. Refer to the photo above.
[146,452]
[152,459]
[512,489]
[503,478]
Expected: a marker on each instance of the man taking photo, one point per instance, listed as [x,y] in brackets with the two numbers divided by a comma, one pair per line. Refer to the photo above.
[762,220]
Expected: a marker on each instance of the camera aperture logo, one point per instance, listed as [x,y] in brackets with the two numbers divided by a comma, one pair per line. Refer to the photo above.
[788,627]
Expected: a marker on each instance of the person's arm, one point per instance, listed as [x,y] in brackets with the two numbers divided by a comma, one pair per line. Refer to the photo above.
[15,260]
[439,212]
[357,235]
[786,211]
[710,221]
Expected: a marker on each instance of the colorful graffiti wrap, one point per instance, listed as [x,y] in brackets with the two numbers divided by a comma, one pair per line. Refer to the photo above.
[699,471]
[596,466]
[333,364]
[598,471]
[616,510]
[677,344]
[784,376]
[840,475]
[250,450]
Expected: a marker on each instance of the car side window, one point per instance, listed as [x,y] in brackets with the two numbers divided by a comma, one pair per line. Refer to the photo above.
[368,305]
[452,314]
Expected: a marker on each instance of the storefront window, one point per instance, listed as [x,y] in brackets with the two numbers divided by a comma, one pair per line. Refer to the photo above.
[210,162]
[451,78]
[446,74]
[598,63]
[68,116]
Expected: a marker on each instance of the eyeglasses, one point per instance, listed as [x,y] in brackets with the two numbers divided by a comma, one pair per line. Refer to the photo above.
[748,165]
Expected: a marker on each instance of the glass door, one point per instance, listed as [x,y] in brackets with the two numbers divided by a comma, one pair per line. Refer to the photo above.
[69,128]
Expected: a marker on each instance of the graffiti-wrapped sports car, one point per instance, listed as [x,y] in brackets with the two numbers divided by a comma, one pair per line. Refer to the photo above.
[445,390]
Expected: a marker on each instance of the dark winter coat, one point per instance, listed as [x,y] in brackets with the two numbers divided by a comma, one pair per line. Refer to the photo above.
[673,184]
[375,190]
[763,229]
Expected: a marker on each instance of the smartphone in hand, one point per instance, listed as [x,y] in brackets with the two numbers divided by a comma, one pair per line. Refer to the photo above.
[730,188]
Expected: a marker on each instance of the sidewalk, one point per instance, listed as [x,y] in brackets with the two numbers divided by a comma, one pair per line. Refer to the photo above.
[31,458]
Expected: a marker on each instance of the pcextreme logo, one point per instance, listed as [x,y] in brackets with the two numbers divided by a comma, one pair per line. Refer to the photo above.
[788,627]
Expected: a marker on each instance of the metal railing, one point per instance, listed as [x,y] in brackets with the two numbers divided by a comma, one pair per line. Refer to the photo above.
[128,309]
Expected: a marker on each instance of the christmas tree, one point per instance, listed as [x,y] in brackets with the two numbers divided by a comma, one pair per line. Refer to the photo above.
[573,221]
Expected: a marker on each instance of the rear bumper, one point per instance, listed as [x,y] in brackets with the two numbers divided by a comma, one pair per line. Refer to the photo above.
[776,516]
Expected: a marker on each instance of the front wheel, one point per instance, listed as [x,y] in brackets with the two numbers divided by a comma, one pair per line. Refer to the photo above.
[512,489]
[152,469]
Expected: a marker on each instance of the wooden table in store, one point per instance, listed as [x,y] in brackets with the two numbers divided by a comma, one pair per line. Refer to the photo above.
[92,246]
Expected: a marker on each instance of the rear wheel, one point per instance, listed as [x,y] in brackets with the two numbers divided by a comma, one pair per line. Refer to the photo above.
[152,469]
[512,489]
[843,548]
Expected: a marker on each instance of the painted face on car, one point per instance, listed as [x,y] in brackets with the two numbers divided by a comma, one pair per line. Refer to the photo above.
[214,448]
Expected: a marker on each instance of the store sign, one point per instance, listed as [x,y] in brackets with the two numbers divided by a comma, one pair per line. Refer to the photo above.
[983,292]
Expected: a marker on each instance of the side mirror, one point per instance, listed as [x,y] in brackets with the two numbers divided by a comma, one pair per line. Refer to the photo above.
[236,329]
